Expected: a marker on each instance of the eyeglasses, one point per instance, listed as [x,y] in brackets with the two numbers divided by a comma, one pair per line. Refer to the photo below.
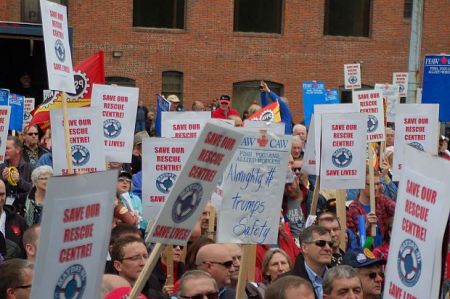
[373,275]
[299,169]
[321,243]
[136,257]
[212,295]
[226,264]
[43,179]
[31,134]
[121,180]
[24,286]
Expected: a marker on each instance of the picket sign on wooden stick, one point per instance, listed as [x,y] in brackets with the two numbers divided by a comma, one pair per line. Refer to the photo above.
[315,199]
[251,262]
[169,264]
[66,134]
[341,213]
[212,223]
[243,270]
[372,188]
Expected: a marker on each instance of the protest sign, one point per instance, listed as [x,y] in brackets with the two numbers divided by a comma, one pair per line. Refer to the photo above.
[253,187]
[16,102]
[162,162]
[4,97]
[319,110]
[416,125]
[183,124]
[276,128]
[313,93]
[343,159]
[436,83]
[29,106]
[401,79]
[118,107]
[75,231]
[391,97]
[414,264]
[370,103]
[212,151]
[57,48]
[309,158]
[333,96]
[5,112]
[85,135]
[352,76]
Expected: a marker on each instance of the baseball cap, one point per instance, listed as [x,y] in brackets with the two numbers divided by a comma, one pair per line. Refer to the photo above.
[139,136]
[173,98]
[361,258]
[225,98]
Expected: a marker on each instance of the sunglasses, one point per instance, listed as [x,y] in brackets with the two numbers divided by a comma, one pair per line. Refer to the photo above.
[226,264]
[213,295]
[373,275]
[31,134]
[299,169]
[321,243]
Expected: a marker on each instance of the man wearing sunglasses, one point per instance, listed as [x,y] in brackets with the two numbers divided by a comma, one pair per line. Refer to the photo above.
[197,284]
[16,276]
[216,260]
[316,254]
[369,271]
[32,151]
[224,111]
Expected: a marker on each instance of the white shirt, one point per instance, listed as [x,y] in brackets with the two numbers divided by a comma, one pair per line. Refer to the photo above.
[3,223]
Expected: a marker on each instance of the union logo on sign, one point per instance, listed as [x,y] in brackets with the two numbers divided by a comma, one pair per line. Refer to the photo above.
[71,283]
[187,202]
[409,263]
[60,51]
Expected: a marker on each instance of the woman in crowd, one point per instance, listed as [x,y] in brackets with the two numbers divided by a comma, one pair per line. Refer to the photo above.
[35,199]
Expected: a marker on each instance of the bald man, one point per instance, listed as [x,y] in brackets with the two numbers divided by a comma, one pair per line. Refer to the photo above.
[236,254]
[300,130]
[216,259]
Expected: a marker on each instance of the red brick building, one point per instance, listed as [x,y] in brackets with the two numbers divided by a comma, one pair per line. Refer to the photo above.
[201,49]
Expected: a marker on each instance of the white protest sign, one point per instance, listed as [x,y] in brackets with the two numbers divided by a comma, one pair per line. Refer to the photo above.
[57,47]
[401,79]
[253,188]
[28,107]
[416,125]
[118,105]
[210,156]
[370,103]
[319,110]
[5,112]
[162,161]
[391,97]
[343,160]
[183,124]
[414,264]
[85,135]
[352,76]
[75,231]
[309,158]
[276,128]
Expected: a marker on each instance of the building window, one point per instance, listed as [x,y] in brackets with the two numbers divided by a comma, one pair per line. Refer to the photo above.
[346,94]
[246,93]
[407,9]
[159,13]
[31,11]
[121,81]
[172,83]
[258,15]
[347,18]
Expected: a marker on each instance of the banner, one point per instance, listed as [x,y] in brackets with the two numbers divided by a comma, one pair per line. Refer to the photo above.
[269,113]
[313,93]
[183,124]
[16,102]
[352,76]
[401,79]
[414,264]
[75,231]
[162,105]
[370,103]
[416,125]
[436,84]
[85,135]
[391,96]
[210,156]
[343,159]
[29,106]
[5,112]
[4,97]
[253,187]
[162,162]
[57,48]
[118,106]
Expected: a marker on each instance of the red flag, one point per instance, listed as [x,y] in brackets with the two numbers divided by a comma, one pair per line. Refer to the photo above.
[270,112]
[87,72]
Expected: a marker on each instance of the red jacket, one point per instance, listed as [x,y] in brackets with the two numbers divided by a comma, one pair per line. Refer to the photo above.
[219,113]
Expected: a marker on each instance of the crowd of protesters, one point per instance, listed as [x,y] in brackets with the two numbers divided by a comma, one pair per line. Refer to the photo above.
[307,262]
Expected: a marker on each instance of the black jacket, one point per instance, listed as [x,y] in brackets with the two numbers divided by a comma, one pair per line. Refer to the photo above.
[15,226]
[300,270]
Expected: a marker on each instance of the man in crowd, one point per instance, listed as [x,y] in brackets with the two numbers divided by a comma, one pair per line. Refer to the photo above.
[136,157]
[390,134]
[236,254]
[342,282]
[316,254]
[297,148]
[197,283]
[285,112]
[224,111]
[300,130]
[294,205]
[16,173]
[32,151]
[31,241]
[289,287]
[16,276]
[198,106]
[369,271]
[175,103]
[330,222]
[217,261]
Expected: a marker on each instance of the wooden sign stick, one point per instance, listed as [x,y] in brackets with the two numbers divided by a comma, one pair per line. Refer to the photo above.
[212,224]
[66,134]
[242,280]
[372,188]
[169,265]
[341,213]
[315,199]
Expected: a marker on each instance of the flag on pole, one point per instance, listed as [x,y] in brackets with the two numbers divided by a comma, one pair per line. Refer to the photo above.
[161,105]
[268,113]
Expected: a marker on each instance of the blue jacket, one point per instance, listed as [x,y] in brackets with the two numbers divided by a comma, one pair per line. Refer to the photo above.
[285,112]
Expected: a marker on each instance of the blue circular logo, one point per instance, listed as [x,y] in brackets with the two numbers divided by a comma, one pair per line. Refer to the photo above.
[402,88]
[71,283]
[352,79]
[409,263]
[417,145]
[111,128]
[372,123]
[342,157]
[187,202]
[80,155]
[60,51]
[165,181]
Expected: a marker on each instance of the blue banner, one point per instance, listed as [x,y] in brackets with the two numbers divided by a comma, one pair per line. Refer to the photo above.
[17,103]
[333,96]
[313,93]
[161,105]
[4,97]
[436,84]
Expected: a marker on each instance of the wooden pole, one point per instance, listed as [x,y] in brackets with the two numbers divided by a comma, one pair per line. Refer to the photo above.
[315,199]
[251,262]
[242,280]
[66,134]
[372,188]
[169,265]
[341,213]
[212,224]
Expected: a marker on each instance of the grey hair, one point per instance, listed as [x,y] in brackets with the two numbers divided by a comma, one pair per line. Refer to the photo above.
[38,171]
[193,274]
[337,272]
[296,138]
[268,258]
